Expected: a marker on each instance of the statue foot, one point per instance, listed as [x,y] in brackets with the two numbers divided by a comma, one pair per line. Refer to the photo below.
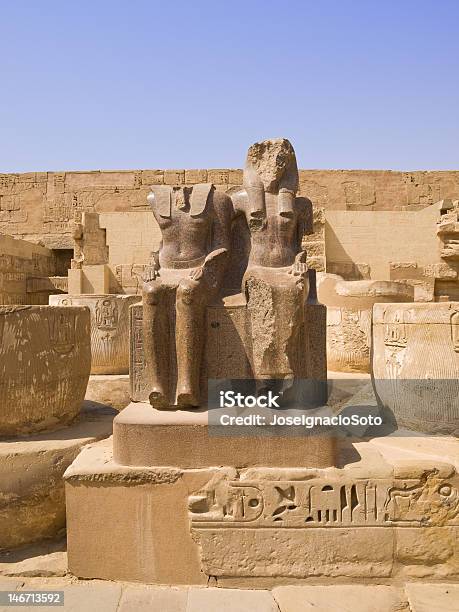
[185,398]
[158,399]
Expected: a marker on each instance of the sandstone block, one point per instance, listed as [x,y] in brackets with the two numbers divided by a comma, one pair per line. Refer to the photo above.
[41,393]
[174,177]
[195,176]
[147,436]
[416,364]
[109,389]
[32,503]
[109,329]
[349,317]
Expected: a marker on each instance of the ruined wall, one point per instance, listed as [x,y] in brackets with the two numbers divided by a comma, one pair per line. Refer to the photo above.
[23,269]
[41,205]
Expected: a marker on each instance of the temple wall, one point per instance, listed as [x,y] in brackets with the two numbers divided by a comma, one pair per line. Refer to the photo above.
[22,266]
[372,241]
[42,205]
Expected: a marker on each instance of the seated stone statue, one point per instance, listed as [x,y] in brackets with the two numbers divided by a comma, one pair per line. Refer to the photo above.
[276,280]
[185,276]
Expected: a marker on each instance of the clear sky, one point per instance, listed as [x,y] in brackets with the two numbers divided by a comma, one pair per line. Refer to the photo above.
[112,84]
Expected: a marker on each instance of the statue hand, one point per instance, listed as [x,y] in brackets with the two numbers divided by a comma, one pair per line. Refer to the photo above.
[299,267]
[150,274]
[197,273]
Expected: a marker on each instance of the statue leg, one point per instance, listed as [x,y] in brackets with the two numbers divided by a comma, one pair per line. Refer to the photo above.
[156,341]
[276,305]
[189,338]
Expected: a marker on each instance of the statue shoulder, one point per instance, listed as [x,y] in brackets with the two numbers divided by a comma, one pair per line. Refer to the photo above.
[305,212]
[239,198]
[159,199]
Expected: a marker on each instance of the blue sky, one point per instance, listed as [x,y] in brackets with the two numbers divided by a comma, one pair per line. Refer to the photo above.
[148,84]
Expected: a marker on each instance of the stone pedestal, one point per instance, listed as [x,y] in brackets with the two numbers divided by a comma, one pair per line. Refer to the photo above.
[109,329]
[416,364]
[349,311]
[387,516]
[45,359]
[148,437]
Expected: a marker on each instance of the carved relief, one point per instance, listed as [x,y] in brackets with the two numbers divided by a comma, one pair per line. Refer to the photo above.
[61,331]
[106,314]
[455,330]
[321,502]
[109,329]
[138,380]
[416,364]
[395,332]
[45,360]
[348,339]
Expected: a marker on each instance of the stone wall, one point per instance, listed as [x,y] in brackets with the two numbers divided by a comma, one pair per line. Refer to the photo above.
[42,205]
[25,271]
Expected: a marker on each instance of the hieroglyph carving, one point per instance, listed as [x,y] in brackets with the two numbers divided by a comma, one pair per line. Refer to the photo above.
[322,502]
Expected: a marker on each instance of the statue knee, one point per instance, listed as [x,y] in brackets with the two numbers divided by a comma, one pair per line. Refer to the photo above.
[152,293]
[189,292]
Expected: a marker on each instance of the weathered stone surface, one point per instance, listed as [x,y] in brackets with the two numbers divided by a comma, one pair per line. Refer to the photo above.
[432,553]
[416,364]
[109,389]
[42,393]
[107,503]
[376,517]
[109,329]
[429,597]
[135,599]
[89,596]
[149,437]
[340,598]
[20,263]
[32,504]
[252,553]
[255,525]
[51,564]
[230,600]
[349,317]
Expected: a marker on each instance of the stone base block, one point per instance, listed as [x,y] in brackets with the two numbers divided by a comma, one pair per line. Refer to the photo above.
[109,328]
[45,358]
[109,389]
[378,518]
[32,504]
[149,437]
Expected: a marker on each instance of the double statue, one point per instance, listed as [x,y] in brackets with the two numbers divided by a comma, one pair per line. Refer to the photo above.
[188,273]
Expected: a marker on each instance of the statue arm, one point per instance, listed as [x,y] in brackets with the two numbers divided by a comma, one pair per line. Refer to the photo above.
[299,267]
[216,260]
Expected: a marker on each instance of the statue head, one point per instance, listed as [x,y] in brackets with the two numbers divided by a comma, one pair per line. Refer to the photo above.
[271,168]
